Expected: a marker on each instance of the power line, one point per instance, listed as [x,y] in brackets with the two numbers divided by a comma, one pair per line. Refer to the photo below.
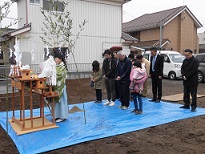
[129,14]
[11,18]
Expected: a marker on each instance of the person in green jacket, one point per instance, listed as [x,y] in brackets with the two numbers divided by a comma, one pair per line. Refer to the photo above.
[61,105]
[97,78]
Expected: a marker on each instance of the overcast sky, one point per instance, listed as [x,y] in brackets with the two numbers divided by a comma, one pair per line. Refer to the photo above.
[12,15]
[136,8]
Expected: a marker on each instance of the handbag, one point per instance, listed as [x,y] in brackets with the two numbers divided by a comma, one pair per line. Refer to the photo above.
[91,84]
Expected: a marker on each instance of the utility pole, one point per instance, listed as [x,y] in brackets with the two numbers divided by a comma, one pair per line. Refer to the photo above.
[161,35]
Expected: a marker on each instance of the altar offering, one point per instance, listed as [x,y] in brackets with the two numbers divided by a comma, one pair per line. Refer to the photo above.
[26,74]
[40,82]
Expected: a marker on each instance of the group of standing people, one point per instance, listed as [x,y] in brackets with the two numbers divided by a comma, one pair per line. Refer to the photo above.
[126,77]
[122,76]
[189,71]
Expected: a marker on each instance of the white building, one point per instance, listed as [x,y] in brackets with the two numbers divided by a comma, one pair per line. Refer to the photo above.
[102,30]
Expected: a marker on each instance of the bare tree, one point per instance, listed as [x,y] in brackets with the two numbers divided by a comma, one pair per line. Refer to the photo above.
[57,27]
[4,11]
[57,30]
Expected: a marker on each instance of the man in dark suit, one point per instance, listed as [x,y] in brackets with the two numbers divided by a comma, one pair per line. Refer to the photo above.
[156,73]
[123,75]
[189,72]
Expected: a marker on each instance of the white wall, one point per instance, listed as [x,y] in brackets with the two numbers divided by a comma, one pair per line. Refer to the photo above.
[21,8]
[103,30]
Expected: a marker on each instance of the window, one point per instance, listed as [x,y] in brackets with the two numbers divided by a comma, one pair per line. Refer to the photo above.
[1,54]
[47,5]
[166,58]
[176,58]
[58,6]
[65,51]
[146,56]
[35,1]
[201,58]
[53,5]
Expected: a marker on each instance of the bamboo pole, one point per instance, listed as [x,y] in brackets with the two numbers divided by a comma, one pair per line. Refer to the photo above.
[7,101]
[79,82]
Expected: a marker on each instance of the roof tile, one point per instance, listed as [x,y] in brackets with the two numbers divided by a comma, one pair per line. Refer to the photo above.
[153,20]
[128,37]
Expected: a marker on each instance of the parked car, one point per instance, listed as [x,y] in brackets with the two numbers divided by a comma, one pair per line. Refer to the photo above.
[172,63]
[201,73]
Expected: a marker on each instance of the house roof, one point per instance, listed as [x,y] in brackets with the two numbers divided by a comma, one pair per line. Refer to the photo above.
[125,1]
[25,28]
[128,37]
[152,43]
[118,1]
[4,31]
[153,20]
[14,32]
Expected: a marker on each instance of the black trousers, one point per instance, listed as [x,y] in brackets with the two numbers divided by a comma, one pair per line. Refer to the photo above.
[125,93]
[117,89]
[156,86]
[110,89]
[193,91]
[98,94]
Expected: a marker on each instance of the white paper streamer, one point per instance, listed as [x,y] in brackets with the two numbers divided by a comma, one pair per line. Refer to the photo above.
[17,53]
[67,54]
[10,53]
[11,70]
[49,71]
[47,51]
[32,53]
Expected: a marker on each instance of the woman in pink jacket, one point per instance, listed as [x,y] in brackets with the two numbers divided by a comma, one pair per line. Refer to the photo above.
[138,76]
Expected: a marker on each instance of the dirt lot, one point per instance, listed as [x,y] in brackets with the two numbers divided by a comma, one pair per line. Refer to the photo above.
[185,136]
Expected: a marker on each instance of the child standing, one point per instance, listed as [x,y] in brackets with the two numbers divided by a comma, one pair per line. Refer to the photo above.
[138,76]
[97,79]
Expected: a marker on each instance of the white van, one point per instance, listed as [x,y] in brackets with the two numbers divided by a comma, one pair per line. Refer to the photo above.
[172,63]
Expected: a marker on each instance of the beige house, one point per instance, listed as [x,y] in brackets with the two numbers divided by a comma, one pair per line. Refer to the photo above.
[174,29]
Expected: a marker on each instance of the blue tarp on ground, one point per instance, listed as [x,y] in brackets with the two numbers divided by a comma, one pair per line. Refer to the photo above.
[102,121]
